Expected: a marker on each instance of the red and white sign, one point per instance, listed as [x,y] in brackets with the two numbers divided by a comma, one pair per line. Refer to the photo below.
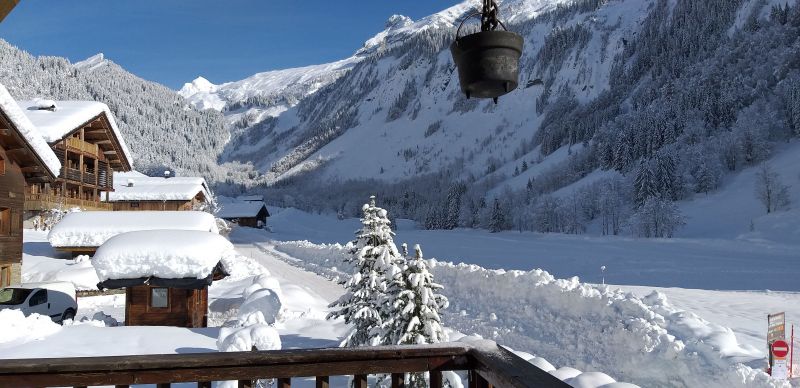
[780,349]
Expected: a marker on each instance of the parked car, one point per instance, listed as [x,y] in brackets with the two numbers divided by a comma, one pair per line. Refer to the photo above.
[54,299]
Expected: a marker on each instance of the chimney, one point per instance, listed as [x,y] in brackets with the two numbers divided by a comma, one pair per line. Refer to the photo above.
[130,182]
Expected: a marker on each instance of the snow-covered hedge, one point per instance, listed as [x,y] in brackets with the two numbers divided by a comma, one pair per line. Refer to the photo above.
[593,328]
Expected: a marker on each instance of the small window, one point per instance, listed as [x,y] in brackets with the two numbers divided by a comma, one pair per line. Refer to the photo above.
[5,221]
[159,297]
[2,166]
[5,276]
[38,298]
[134,204]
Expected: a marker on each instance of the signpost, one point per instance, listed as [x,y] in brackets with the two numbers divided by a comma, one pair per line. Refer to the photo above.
[778,348]
[780,367]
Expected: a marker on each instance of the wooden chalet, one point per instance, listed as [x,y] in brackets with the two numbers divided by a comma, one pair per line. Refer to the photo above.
[134,191]
[252,214]
[86,140]
[165,274]
[154,301]
[25,159]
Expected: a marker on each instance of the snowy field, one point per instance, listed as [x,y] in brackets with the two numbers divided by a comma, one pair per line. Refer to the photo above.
[712,264]
[685,332]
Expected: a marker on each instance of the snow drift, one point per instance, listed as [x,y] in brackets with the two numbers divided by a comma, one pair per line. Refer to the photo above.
[594,328]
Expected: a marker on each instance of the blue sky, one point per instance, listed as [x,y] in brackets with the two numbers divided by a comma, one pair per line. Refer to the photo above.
[172,42]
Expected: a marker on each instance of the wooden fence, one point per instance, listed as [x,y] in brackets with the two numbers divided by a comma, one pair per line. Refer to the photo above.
[487,367]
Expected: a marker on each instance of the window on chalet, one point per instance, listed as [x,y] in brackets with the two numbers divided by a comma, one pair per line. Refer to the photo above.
[5,277]
[159,297]
[5,221]
[2,166]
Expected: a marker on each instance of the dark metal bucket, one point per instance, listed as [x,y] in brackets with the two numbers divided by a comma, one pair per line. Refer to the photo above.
[487,62]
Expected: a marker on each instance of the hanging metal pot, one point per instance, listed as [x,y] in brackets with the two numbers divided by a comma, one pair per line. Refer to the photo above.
[487,61]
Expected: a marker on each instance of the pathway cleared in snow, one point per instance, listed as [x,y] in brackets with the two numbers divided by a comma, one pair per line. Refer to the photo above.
[306,295]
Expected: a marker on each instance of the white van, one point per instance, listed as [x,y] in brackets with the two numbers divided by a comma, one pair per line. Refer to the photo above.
[54,299]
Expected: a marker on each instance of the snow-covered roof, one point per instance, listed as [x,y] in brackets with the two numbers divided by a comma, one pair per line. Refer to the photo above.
[68,116]
[92,229]
[240,209]
[147,188]
[28,131]
[166,254]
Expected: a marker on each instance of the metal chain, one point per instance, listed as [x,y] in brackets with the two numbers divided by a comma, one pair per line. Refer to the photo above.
[489,20]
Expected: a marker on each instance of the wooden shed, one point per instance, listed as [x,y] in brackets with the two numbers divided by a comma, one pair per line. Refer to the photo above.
[165,274]
[25,158]
[252,214]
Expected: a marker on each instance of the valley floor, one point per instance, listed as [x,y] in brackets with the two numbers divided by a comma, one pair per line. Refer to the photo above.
[726,265]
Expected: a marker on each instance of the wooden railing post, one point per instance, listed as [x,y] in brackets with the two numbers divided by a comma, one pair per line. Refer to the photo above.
[323,382]
[360,381]
[436,379]
[398,380]
[245,383]
[285,382]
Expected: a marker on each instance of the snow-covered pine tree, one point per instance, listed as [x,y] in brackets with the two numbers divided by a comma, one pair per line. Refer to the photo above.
[497,222]
[375,258]
[411,308]
[644,185]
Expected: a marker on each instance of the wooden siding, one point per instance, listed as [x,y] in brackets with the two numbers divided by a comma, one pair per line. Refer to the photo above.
[187,308]
[152,205]
[12,198]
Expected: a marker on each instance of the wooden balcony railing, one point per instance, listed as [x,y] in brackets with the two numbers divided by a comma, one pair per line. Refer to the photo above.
[44,201]
[71,174]
[487,367]
[89,178]
[83,146]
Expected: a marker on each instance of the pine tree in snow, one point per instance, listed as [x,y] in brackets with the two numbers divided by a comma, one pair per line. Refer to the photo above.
[497,222]
[375,258]
[645,185]
[411,306]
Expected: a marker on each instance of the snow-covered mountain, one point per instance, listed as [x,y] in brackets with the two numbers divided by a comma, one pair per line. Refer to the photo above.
[676,95]
[159,126]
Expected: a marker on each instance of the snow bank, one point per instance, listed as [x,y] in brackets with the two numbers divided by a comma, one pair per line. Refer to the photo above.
[70,115]
[92,229]
[167,254]
[28,131]
[593,328]
[16,327]
[243,339]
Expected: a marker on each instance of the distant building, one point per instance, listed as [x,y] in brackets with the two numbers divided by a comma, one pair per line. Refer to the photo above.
[25,158]
[89,146]
[134,191]
[165,274]
[245,213]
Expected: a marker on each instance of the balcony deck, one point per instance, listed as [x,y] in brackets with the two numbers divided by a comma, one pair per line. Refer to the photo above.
[487,367]
[44,202]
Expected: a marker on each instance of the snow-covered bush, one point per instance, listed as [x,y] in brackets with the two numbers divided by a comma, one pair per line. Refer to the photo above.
[657,217]
[243,339]
[16,327]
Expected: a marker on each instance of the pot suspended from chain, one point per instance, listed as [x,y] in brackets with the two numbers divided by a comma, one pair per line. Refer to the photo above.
[487,61]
